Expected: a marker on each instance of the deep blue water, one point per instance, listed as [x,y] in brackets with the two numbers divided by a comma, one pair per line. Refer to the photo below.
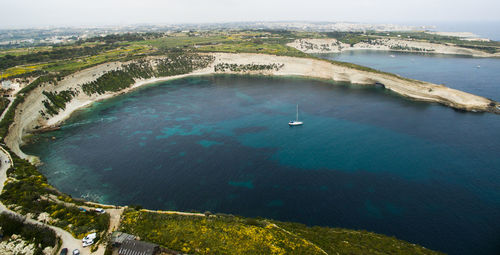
[459,72]
[364,159]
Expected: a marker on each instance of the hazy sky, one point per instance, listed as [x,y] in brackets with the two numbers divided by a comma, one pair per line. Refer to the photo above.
[37,13]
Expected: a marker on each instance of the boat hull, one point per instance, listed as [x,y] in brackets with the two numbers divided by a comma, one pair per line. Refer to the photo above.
[295,123]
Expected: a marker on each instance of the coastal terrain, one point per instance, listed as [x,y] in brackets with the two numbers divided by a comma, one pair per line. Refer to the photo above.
[47,93]
[29,118]
[332,45]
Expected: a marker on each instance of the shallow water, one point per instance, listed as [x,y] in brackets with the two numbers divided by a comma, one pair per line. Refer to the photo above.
[364,159]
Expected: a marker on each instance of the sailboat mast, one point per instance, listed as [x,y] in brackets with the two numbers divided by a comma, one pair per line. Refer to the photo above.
[297,118]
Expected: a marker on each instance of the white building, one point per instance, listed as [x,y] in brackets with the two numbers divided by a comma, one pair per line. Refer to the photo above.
[6,84]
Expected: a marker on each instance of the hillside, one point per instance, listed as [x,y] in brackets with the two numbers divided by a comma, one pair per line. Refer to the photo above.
[227,234]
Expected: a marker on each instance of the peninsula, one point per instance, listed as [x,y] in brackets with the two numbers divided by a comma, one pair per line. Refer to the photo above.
[47,91]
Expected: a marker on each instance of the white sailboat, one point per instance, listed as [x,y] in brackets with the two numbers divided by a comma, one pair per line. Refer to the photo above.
[296,122]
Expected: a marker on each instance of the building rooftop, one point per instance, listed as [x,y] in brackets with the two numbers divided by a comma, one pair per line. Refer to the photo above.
[135,247]
[120,237]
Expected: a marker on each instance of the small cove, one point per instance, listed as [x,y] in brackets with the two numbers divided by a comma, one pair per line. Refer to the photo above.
[365,158]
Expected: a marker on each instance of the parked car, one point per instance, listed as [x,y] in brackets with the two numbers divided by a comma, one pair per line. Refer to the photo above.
[89,239]
[87,243]
[99,210]
[76,252]
[64,251]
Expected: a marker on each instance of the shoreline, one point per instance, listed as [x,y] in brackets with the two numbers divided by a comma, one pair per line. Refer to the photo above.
[28,119]
[330,45]
[405,51]
[318,69]
[76,105]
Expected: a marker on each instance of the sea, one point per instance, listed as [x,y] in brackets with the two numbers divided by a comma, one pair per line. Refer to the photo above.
[484,29]
[365,158]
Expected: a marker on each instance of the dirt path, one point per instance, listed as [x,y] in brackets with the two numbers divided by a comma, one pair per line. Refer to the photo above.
[68,241]
[175,212]
[114,220]
[305,240]
[7,108]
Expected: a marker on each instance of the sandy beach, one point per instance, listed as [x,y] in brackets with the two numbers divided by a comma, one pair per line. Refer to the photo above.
[29,119]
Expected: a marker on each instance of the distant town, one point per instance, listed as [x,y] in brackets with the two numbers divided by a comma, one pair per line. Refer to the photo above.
[13,38]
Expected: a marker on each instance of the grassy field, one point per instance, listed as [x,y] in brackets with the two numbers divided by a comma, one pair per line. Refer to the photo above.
[183,41]
[214,41]
[244,41]
[226,234]
[107,56]
[24,51]
[253,47]
[17,70]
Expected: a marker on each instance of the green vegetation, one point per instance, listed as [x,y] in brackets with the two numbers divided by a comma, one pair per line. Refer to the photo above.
[350,37]
[183,42]
[110,81]
[486,46]
[254,47]
[345,241]
[49,78]
[8,118]
[227,234]
[4,102]
[173,64]
[82,54]
[37,234]
[27,191]
[57,100]
[57,53]
[125,37]
[213,235]
[406,48]
[20,71]
[222,67]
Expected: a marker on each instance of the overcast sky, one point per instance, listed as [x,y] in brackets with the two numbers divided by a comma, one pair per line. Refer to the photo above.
[38,13]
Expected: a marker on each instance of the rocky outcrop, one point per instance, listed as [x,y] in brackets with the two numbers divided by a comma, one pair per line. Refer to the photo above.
[329,45]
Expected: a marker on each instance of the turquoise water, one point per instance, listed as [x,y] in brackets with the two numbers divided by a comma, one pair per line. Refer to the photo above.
[364,159]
